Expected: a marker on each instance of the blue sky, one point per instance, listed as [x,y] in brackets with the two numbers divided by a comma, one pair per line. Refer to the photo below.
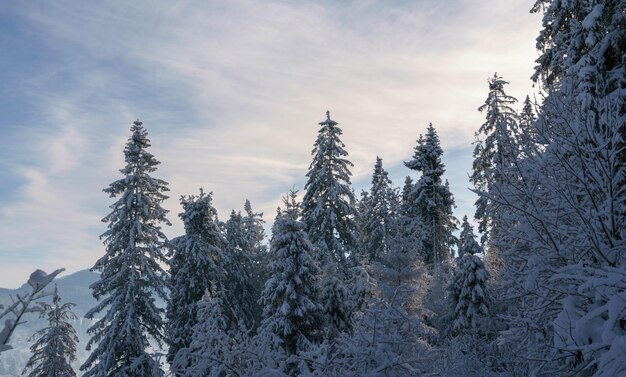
[231,94]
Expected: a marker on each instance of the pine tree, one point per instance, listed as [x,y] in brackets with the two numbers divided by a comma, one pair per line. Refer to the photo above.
[253,231]
[431,201]
[527,136]
[217,348]
[258,272]
[337,305]
[130,271]
[362,209]
[55,347]
[467,240]
[240,290]
[494,151]
[469,284]
[406,205]
[328,202]
[195,263]
[380,214]
[290,298]
[235,235]
[407,231]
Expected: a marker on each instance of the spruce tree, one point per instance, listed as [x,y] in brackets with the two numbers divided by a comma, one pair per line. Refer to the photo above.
[290,297]
[467,240]
[194,264]
[54,349]
[258,273]
[328,202]
[234,231]
[253,231]
[469,284]
[130,271]
[527,136]
[361,235]
[216,348]
[407,228]
[431,201]
[239,285]
[380,215]
[494,151]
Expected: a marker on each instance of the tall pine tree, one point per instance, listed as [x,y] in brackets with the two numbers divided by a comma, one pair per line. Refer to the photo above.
[494,151]
[380,214]
[239,287]
[290,298]
[469,284]
[130,271]
[431,200]
[254,233]
[195,264]
[328,202]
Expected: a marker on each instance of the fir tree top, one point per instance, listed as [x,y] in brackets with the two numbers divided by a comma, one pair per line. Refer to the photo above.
[328,121]
[427,155]
[199,216]
[467,240]
[500,116]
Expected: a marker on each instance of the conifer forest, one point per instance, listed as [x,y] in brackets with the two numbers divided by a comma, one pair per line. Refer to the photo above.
[386,281]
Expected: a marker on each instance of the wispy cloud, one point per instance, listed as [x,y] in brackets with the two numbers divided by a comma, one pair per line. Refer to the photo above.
[231,93]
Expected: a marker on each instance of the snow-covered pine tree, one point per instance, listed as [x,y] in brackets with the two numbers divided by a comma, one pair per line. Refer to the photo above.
[253,231]
[468,287]
[467,240]
[406,204]
[54,349]
[238,282]
[336,301]
[258,272]
[328,202]
[361,236]
[431,201]
[217,348]
[407,228]
[493,153]
[527,136]
[234,231]
[380,215]
[195,263]
[290,298]
[130,271]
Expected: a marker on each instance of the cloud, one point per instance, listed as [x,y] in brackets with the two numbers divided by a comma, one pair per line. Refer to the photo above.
[231,94]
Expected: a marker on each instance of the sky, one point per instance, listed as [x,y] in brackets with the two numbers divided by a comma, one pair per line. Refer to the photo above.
[231,93]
